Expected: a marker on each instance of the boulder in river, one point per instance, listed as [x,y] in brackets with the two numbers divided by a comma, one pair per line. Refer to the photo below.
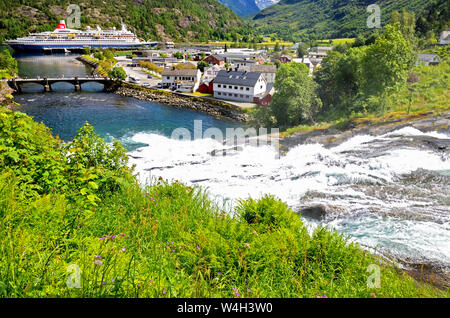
[317,212]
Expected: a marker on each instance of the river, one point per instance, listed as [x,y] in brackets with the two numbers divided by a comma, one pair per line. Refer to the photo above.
[386,192]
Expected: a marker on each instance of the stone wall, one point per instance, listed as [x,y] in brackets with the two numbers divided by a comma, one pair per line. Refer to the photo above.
[214,108]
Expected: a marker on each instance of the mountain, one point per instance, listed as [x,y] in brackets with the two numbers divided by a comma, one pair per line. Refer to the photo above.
[262,4]
[176,20]
[241,7]
[322,19]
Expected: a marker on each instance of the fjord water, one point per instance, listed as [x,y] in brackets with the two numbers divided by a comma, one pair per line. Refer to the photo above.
[113,116]
[388,191]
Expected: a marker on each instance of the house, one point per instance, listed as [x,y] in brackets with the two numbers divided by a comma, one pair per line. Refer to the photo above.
[240,63]
[445,37]
[169,45]
[285,59]
[183,79]
[269,71]
[305,61]
[206,88]
[241,86]
[317,54]
[428,59]
[215,60]
[264,99]
[210,73]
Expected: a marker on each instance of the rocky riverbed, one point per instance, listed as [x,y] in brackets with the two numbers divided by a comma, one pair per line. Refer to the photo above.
[211,107]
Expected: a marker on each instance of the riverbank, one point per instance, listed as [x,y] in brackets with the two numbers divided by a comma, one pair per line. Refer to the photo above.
[217,109]
[6,97]
[429,121]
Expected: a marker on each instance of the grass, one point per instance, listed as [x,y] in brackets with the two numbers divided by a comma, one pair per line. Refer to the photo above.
[200,94]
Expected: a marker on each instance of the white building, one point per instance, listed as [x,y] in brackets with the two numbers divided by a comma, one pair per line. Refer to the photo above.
[187,80]
[428,59]
[242,63]
[239,86]
[211,73]
[445,37]
[269,71]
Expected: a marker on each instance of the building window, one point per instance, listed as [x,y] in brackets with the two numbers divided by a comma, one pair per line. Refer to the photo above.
[235,87]
[231,87]
[247,88]
[219,86]
[219,93]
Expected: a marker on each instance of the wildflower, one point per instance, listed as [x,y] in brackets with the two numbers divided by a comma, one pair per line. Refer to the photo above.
[98,262]
[254,232]
[98,256]
[247,245]
[197,247]
[373,295]
[164,292]
[104,283]
[249,290]
[123,249]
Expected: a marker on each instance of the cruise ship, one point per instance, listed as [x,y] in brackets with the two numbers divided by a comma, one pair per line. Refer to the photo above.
[64,38]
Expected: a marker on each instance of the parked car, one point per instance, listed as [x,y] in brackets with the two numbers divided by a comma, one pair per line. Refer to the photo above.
[146,85]
[149,76]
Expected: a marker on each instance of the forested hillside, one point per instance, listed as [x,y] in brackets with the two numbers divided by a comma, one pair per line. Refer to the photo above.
[150,19]
[319,19]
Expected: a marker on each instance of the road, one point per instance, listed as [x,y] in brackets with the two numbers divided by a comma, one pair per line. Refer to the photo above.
[136,72]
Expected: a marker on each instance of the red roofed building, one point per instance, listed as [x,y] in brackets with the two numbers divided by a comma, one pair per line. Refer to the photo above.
[215,60]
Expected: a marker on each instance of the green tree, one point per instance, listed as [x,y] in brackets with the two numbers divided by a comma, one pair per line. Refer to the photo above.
[202,65]
[179,55]
[295,98]
[118,73]
[387,62]
[277,47]
[302,50]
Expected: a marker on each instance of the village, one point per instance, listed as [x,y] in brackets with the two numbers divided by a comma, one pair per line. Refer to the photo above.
[240,76]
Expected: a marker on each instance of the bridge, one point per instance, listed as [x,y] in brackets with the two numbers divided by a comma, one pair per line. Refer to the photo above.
[16,83]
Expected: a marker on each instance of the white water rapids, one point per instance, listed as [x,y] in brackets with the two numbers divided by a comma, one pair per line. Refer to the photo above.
[363,182]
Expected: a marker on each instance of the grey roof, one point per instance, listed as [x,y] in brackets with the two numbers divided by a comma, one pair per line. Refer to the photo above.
[179,72]
[241,78]
[428,57]
[264,68]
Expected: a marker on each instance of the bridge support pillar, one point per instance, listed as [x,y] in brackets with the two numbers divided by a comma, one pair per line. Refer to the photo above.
[77,87]
[47,88]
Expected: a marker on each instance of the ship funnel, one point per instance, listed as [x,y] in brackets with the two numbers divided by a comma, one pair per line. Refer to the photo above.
[61,25]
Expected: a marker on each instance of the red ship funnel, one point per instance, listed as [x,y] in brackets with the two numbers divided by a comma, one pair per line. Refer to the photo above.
[61,25]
